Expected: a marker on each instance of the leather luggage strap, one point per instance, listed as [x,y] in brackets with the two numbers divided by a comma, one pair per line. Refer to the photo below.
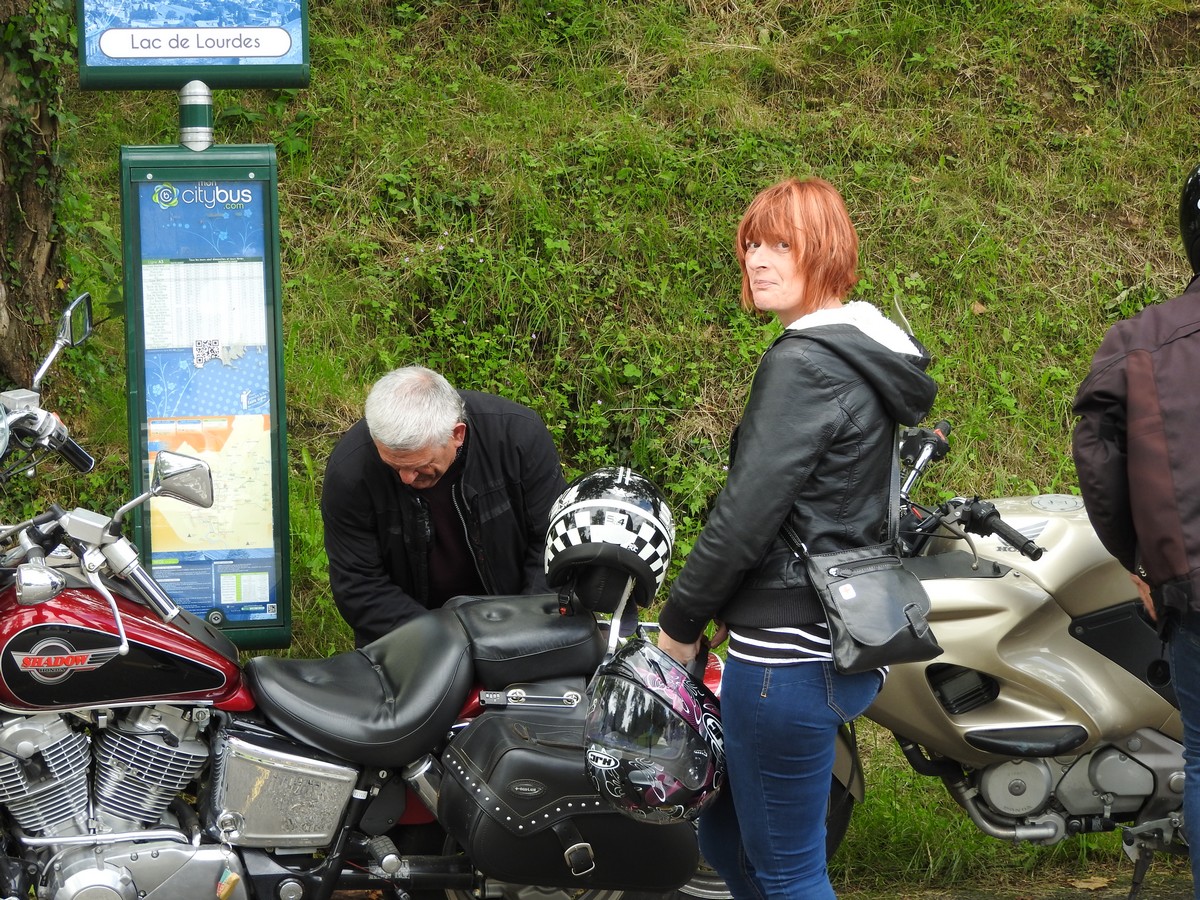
[576,851]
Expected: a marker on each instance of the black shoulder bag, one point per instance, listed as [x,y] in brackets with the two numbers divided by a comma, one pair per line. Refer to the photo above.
[875,607]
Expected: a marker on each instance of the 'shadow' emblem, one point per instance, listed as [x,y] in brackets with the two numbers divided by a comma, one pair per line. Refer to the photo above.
[54,660]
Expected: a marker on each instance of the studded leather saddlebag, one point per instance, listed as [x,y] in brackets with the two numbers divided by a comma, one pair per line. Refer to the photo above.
[515,796]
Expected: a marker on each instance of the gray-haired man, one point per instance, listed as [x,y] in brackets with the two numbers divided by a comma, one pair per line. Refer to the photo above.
[435,493]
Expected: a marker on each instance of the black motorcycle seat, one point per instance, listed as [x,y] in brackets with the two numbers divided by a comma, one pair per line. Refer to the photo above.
[527,637]
[384,704]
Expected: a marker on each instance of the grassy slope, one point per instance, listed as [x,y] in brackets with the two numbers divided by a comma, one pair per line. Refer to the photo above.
[538,199]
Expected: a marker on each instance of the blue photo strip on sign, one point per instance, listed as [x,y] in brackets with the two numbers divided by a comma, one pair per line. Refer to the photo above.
[224,43]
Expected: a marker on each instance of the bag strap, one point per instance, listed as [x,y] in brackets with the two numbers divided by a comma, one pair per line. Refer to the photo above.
[798,546]
[894,493]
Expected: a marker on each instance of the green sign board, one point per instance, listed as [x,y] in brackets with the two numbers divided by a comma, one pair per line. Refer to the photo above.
[224,43]
[204,347]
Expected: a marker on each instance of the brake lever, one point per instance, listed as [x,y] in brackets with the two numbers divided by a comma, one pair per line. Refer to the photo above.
[951,524]
[92,560]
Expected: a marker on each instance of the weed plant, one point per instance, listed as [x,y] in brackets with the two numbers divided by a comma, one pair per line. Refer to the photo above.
[538,197]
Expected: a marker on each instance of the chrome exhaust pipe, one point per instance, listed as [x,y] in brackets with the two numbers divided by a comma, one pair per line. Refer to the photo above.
[424,776]
[1044,832]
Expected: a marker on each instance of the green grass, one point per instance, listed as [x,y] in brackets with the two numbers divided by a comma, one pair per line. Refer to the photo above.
[538,199]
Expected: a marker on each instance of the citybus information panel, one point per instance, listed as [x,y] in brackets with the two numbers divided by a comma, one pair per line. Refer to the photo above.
[204,339]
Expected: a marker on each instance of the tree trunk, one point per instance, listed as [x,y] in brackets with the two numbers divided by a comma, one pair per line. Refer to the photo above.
[30,104]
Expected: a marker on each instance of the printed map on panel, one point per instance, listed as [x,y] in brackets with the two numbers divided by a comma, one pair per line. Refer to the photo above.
[237,448]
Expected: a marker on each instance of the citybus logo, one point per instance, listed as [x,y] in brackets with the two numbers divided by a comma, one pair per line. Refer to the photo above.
[210,196]
[165,195]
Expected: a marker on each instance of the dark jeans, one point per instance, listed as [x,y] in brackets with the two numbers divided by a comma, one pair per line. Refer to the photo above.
[765,834]
[1185,673]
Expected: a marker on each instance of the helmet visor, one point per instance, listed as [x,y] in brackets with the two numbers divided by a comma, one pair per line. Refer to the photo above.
[628,721]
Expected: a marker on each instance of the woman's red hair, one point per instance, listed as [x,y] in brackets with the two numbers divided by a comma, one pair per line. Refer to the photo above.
[810,216]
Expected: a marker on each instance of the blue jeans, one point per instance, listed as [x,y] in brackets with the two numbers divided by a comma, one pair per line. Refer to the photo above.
[765,833]
[1185,674]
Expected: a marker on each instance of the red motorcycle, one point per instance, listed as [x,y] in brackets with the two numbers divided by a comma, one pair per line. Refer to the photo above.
[139,759]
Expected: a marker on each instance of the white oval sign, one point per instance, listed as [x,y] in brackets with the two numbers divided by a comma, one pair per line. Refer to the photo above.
[187,43]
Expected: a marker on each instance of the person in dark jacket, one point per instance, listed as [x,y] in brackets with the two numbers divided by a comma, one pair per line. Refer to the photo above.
[435,493]
[1135,452]
[813,451]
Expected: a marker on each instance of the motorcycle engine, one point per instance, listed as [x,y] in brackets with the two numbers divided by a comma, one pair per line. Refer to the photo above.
[159,870]
[142,760]
[138,762]
[1071,794]
[44,767]
[1018,787]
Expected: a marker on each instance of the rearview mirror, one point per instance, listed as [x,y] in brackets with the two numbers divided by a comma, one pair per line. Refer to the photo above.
[182,478]
[74,327]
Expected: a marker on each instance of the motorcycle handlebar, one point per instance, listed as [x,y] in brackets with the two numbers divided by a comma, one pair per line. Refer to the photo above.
[924,445]
[35,535]
[983,518]
[918,448]
[921,446]
[72,452]
[45,429]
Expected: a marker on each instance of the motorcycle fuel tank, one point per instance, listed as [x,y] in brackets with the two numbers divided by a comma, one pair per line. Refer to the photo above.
[63,654]
[1075,569]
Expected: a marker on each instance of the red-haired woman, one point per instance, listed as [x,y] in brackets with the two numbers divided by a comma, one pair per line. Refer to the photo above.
[813,452]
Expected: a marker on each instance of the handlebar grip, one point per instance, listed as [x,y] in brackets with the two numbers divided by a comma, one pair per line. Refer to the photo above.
[1014,538]
[51,515]
[76,455]
[942,428]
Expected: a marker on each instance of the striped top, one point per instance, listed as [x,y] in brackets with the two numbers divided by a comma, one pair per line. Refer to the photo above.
[785,646]
[780,646]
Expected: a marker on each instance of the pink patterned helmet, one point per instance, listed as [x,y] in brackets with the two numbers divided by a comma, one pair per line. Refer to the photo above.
[653,735]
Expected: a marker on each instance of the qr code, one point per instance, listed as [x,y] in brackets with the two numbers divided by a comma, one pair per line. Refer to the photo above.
[205,351]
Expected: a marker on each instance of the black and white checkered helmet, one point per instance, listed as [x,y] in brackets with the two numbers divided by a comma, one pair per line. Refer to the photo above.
[606,527]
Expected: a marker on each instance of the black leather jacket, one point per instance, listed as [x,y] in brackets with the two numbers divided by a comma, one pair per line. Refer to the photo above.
[812,450]
[377,529]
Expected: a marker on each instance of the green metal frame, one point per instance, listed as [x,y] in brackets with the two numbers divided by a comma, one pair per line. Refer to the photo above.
[229,163]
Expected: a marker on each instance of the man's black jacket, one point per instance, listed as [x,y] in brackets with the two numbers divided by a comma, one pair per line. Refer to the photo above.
[377,528]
